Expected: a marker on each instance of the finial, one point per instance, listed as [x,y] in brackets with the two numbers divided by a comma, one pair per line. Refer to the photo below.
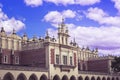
[14,32]
[96,49]
[34,37]
[74,43]
[47,35]
[2,29]
[63,20]
[83,48]
[24,35]
[87,48]
[74,40]
[53,39]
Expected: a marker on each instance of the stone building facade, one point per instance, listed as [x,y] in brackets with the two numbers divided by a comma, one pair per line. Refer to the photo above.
[49,58]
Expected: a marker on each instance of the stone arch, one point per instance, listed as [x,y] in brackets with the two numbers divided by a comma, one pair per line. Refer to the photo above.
[56,77]
[93,78]
[72,78]
[98,78]
[43,77]
[64,77]
[33,77]
[21,77]
[80,78]
[103,78]
[108,78]
[113,78]
[117,78]
[8,76]
[86,78]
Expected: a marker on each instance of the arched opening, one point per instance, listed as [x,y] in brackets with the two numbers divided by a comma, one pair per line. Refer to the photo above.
[8,76]
[43,77]
[64,77]
[56,77]
[72,78]
[98,78]
[113,78]
[33,77]
[108,78]
[80,78]
[93,78]
[21,77]
[117,78]
[86,78]
[103,78]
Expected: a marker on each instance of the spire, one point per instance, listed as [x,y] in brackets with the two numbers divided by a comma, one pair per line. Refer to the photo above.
[74,42]
[63,22]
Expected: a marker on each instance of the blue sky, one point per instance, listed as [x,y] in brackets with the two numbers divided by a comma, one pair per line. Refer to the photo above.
[94,23]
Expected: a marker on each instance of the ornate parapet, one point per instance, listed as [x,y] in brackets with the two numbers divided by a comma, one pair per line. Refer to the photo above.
[98,73]
[22,68]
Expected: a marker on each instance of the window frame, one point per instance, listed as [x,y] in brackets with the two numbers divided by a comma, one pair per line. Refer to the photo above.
[57,59]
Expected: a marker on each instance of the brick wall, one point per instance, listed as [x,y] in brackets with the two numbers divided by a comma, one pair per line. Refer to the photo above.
[10,56]
[98,66]
[35,57]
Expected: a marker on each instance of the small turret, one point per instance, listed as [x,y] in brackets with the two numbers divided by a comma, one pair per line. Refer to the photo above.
[25,38]
[34,38]
[3,33]
[63,33]
[2,29]
[53,39]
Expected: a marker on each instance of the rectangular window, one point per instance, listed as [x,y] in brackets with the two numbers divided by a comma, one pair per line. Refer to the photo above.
[16,60]
[70,60]
[57,59]
[5,59]
[65,60]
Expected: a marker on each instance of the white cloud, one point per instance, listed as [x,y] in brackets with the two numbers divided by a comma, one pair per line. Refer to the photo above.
[102,17]
[55,17]
[68,14]
[36,3]
[64,2]
[86,2]
[10,23]
[117,4]
[33,3]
